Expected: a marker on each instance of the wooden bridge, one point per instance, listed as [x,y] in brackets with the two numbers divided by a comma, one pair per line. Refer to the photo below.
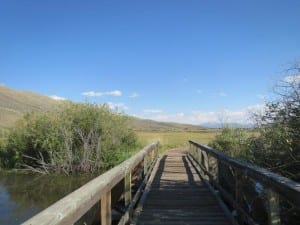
[192,186]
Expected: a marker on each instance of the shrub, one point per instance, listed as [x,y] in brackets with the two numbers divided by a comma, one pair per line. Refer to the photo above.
[75,138]
[232,141]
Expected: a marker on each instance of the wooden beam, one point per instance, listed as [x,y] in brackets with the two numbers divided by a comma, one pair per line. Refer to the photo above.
[146,164]
[273,207]
[127,188]
[106,209]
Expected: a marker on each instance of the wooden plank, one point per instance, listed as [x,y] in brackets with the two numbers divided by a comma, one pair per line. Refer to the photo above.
[182,198]
[127,188]
[106,209]
[128,214]
[273,207]
[146,164]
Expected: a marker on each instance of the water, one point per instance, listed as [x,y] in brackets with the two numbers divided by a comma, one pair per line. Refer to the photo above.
[24,195]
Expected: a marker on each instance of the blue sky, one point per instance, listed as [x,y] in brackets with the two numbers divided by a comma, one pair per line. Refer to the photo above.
[170,60]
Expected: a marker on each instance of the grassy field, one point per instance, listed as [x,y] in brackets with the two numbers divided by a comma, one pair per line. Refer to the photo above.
[169,140]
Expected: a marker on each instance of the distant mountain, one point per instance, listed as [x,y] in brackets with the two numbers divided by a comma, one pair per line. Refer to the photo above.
[13,104]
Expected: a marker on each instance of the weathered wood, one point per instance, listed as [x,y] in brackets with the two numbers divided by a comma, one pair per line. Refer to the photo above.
[106,209]
[178,196]
[146,164]
[238,192]
[70,208]
[213,168]
[127,188]
[285,187]
[213,191]
[273,207]
[139,207]
[128,213]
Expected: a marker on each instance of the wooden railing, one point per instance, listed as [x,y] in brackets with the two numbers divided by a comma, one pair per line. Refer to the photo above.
[254,195]
[71,208]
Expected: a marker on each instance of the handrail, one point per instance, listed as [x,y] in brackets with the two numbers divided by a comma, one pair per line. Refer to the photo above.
[274,184]
[71,208]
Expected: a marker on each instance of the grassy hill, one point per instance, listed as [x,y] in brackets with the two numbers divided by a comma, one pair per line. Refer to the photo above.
[13,104]
[150,125]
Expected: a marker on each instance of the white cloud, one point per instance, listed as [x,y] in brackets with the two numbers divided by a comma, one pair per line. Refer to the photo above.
[57,98]
[197,117]
[115,93]
[117,106]
[242,116]
[2,84]
[292,79]
[152,111]
[134,95]
[92,94]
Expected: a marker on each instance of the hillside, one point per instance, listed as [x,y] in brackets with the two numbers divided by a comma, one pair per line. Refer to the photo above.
[13,104]
[150,125]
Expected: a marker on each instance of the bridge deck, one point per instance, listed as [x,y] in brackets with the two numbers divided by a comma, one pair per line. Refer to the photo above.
[178,196]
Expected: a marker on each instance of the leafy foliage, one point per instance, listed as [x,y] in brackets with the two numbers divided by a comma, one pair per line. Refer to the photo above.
[75,138]
[277,145]
[232,141]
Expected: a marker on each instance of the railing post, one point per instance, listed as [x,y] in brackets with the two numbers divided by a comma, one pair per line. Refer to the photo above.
[206,164]
[146,164]
[273,207]
[213,168]
[152,155]
[199,155]
[106,209]
[238,191]
[127,188]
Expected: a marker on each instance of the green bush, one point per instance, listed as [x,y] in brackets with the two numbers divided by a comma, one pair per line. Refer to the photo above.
[277,143]
[75,138]
[232,141]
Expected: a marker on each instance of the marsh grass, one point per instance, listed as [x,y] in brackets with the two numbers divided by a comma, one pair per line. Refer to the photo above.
[169,139]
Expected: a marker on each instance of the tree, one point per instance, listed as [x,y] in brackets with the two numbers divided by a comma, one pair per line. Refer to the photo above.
[278,145]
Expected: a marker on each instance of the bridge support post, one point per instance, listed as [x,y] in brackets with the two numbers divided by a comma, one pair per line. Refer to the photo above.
[273,207]
[197,154]
[238,192]
[106,209]
[205,160]
[156,150]
[146,164]
[127,188]
[213,169]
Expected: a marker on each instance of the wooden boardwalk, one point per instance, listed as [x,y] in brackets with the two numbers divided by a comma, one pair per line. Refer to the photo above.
[178,197]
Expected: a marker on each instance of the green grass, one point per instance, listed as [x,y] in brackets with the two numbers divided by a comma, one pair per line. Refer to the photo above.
[169,140]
